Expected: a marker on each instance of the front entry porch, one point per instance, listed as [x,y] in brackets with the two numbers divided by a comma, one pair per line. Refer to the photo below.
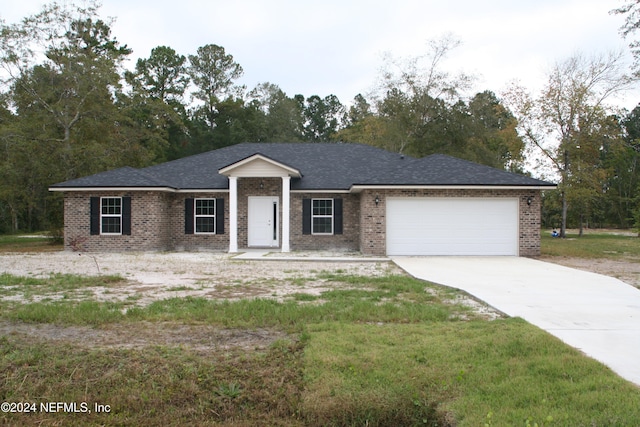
[267,215]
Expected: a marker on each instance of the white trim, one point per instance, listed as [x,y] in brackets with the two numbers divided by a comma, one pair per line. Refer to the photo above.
[162,189]
[119,216]
[354,189]
[332,216]
[322,191]
[201,190]
[228,170]
[61,189]
[196,216]
[286,197]
[358,188]
[233,214]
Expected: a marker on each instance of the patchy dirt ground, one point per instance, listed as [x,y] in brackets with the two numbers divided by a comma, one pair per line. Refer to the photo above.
[157,276]
[200,338]
[626,270]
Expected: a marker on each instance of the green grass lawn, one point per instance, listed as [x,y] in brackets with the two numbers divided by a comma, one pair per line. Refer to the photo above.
[592,245]
[37,242]
[376,352]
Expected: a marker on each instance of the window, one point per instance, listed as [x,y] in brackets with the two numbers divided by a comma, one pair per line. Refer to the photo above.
[205,215]
[322,216]
[110,215]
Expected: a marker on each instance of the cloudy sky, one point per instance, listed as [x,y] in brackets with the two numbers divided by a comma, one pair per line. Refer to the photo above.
[336,46]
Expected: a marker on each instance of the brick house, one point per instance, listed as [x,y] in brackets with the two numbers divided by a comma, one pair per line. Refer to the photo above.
[291,196]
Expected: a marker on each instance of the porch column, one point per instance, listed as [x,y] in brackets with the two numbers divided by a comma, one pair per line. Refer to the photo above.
[286,195]
[233,214]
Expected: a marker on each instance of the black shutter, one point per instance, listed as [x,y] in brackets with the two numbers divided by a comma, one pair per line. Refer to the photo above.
[188,216]
[219,216]
[94,214]
[306,216]
[126,216]
[337,216]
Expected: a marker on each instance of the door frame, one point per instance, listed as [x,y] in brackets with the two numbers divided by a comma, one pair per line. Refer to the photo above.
[273,215]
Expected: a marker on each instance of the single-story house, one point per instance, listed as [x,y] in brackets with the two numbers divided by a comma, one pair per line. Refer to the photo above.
[309,196]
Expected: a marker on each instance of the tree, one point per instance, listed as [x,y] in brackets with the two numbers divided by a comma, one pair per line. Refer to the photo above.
[422,112]
[282,116]
[213,72]
[162,76]
[155,103]
[622,161]
[631,25]
[493,139]
[323,117]
[566,122]
[62,69]
[81,58]
[413,94]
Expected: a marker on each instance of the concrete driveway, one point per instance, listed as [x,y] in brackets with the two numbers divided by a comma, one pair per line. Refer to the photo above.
[596,314]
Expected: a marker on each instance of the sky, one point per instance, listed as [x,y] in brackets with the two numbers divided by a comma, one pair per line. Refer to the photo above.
[337,46]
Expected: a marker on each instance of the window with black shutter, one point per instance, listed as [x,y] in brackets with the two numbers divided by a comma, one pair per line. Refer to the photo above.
[322,216]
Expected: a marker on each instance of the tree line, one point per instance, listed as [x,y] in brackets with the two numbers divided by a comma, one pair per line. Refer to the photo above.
[69,108]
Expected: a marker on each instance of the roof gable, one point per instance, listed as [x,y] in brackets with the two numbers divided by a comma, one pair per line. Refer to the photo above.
[258,165]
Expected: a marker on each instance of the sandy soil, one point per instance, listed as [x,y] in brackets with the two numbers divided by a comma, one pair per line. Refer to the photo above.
[626,270]
[157,276]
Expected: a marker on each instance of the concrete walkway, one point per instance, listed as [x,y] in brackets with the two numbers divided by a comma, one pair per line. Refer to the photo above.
[313,256]
[596,314]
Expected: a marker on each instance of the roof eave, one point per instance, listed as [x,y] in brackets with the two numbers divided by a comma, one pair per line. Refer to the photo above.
[360,187]
[113,188]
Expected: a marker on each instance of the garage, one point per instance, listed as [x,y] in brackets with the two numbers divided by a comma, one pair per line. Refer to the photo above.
[452,226]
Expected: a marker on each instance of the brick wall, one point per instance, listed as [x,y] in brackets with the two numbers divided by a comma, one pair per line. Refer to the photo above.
[157,219]
[373,218]
[349,240]
[148,222]
[178,240]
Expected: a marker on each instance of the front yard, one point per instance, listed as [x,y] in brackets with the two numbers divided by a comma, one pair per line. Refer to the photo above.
[201,339]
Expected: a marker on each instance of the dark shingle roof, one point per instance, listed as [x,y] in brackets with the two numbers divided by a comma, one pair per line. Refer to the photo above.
[323,166]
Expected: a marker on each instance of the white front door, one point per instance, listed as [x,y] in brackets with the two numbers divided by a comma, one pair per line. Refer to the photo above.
[263,222]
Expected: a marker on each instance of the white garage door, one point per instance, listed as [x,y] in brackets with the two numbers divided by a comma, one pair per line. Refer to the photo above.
[452,226]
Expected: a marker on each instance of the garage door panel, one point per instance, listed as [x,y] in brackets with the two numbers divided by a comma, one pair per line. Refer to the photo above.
[452,226]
